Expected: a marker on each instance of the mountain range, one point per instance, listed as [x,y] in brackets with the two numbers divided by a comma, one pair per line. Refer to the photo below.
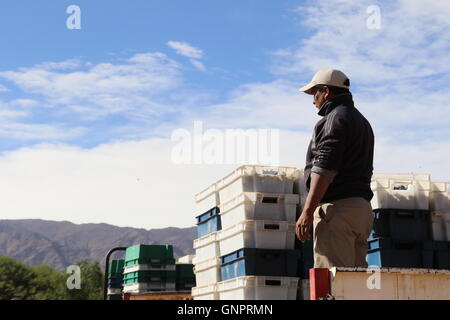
[61,244]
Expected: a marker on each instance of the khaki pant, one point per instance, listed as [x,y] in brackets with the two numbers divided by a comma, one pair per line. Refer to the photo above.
[341,229]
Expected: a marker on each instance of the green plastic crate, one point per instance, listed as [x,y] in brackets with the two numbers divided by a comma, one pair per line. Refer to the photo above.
[144,279]
[116,267]
[115,297]
[151,276]
[149,254]
[185,286]
[115,276]
[185,271]
[154,262]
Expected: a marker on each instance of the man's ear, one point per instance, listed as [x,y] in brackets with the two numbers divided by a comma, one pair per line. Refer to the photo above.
[328,93]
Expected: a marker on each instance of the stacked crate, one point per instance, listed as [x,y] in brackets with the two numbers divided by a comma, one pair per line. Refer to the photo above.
[115,279]
[440,210]
[246,235]
[410,228]
[149,268]
[440,224]
[185,278]
[305,248]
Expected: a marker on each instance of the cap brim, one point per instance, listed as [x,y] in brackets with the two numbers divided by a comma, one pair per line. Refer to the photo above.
[308,88]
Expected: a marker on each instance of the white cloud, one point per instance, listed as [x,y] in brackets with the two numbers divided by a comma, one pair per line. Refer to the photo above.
[3,88]
[142,72]
[64,65]
[185,49]
[25,103]
[10,114]
[399,74]
[413,42]
[143,76]
[136,184]
[127,184]
[276,104]
[38,132]
[199,65]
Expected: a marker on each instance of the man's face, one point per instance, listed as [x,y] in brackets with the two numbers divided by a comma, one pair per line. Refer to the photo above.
[320,96]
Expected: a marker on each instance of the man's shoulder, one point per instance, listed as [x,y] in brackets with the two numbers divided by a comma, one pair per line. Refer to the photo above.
[345,112]
[340,113]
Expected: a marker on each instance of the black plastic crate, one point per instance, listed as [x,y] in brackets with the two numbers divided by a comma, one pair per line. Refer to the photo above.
[307,259]
[442,260]
[260,262]
[185,285]
[115,283]
[397,224]
[306,252]
[441,253]
[209,222]
[389,253]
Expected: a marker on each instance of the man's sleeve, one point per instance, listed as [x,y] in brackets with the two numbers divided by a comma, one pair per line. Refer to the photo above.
[330,148]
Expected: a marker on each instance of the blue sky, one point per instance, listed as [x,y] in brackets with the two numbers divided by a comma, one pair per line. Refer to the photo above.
[84,114]
[236,40]
[119,27]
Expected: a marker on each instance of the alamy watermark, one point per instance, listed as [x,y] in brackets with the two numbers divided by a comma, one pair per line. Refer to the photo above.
[73,22]
[374,20]
[74,280]
[229,146]
[374,280]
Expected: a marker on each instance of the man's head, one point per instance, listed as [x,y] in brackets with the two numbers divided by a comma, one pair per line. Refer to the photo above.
[327,84]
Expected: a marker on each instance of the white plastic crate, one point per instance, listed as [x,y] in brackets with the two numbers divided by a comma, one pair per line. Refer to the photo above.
[258,288]
[440,197]
[246,178]
[259,206]
[149,267]
[186,259]
[207,272]
[114,291]
[260,234]
[300,187]
[440,223]
[303,292]
[400,194]
[256,179]
[208,292]
[206,247]
[402,176]
[142,287]
[206,200]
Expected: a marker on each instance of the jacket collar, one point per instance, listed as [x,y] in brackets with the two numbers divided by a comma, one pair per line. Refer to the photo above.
[345,99]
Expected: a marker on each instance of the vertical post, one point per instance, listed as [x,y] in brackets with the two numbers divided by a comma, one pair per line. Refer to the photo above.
[319,283]
[105,284]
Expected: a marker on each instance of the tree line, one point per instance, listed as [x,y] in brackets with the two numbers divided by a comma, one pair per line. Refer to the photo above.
[19,281]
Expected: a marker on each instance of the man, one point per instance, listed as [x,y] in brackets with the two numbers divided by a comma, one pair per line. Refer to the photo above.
[339,166]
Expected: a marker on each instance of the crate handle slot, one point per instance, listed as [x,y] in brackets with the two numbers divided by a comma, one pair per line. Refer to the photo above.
[401,187]
[270,200]
[270,171]
[405,245]
[405,214]
[271,227]
[273,282]
[270,256]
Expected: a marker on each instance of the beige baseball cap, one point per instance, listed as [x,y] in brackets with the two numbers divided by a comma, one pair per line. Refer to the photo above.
[331,77]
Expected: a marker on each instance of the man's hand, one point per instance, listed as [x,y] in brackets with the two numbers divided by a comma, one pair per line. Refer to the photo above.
[319,186]
[303,225]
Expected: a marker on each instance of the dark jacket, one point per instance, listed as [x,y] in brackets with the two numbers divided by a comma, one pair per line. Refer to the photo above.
[342,144]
